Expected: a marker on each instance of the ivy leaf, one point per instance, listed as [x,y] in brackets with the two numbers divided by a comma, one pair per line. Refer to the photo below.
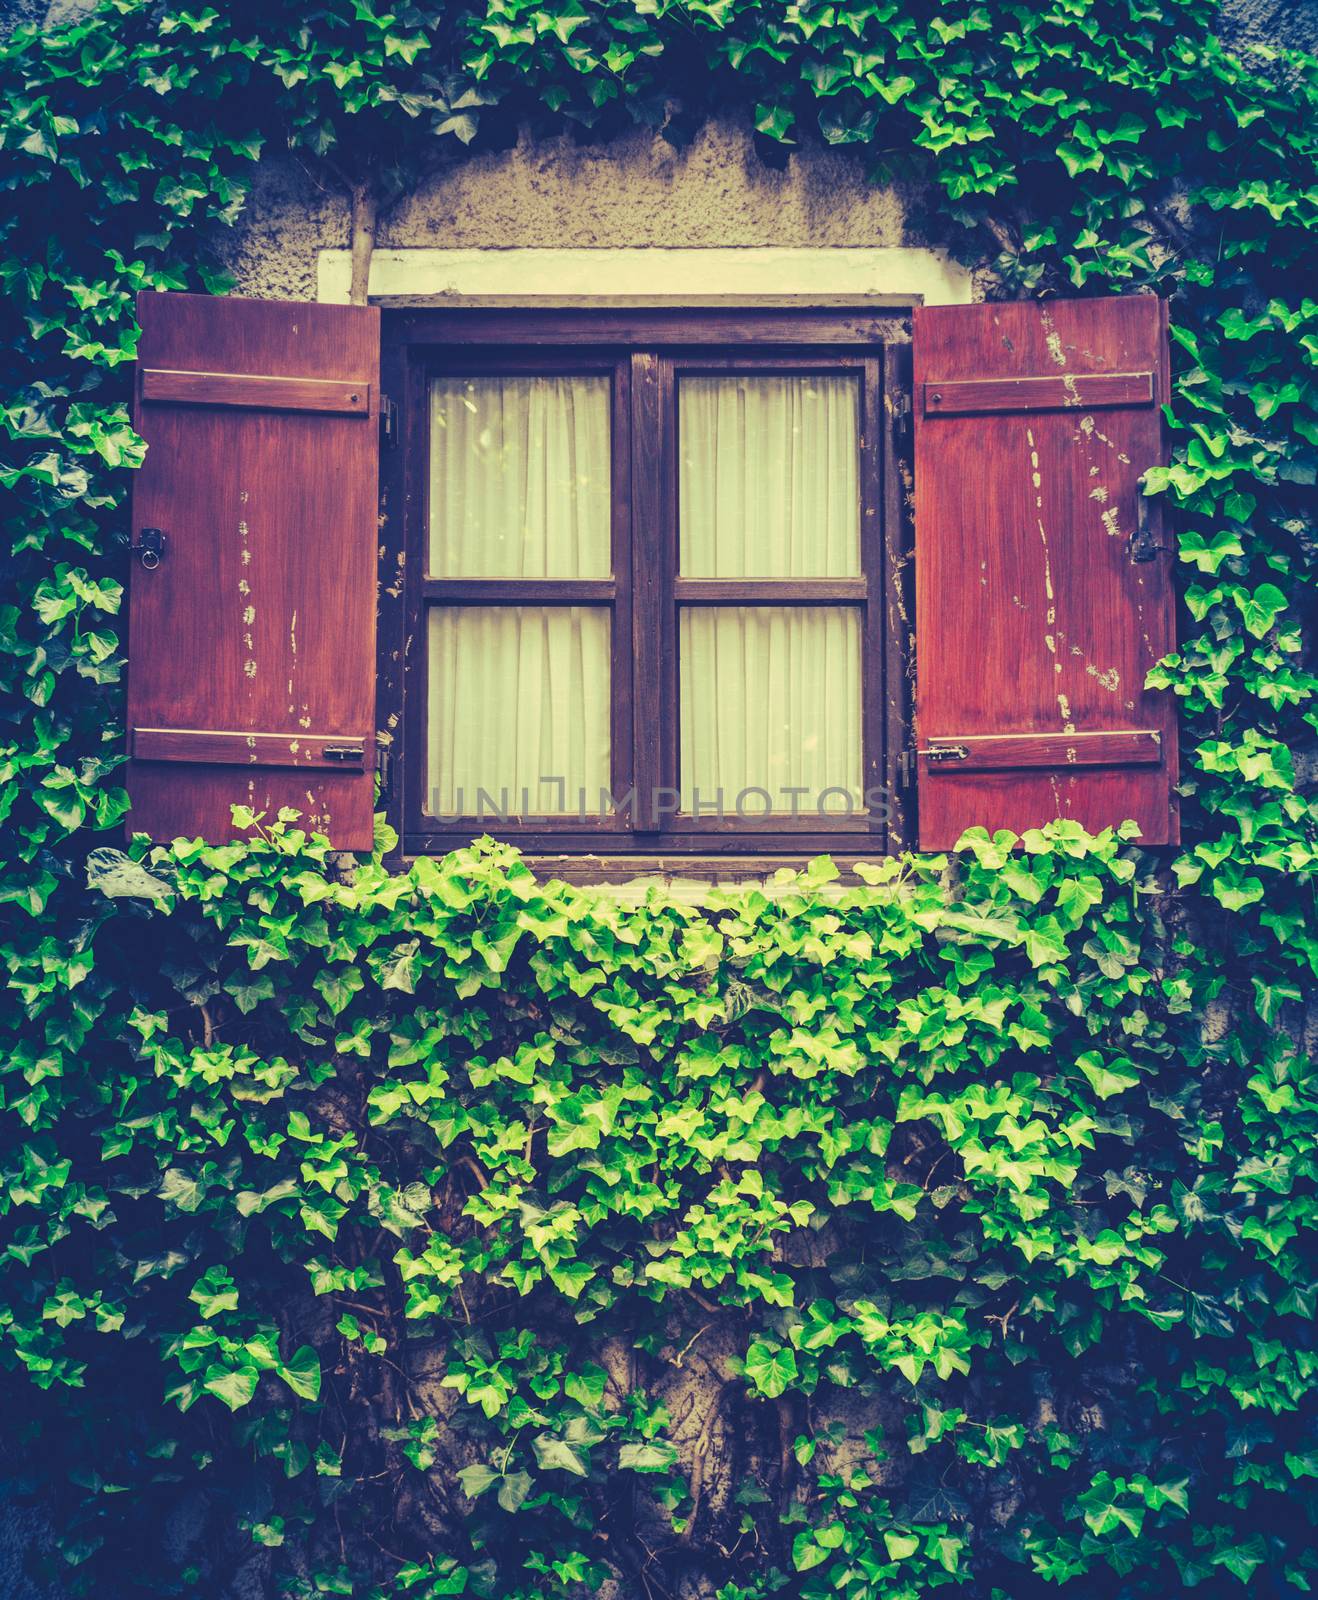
[301,1372]
[1242,1560]
[652,1455]
[1207,1317]
[338,985]
[1104,1510]
[514,1487]
[214,1293]
[775,122]
[1106,1081]
[1262,608]
[1209,552]
[807,1552]
[1078,158]
[895,89]
[558,1454]
[235,1386]
[587,1386]
[1044,942]
[770,1367]
[476,1479]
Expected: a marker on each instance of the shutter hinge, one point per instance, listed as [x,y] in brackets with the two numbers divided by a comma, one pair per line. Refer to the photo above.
[901,417]
[388,421]
[906,761]
[1144,544]
[384,770]
[149,546]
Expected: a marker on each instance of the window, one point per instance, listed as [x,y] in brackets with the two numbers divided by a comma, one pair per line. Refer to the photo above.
[653,554]
[649,588]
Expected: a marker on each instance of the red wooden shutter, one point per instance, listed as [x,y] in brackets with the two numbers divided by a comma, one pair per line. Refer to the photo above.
[251,675]
[1043,591]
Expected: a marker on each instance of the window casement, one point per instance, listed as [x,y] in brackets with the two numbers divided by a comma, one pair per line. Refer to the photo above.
[633,587]
[649,583]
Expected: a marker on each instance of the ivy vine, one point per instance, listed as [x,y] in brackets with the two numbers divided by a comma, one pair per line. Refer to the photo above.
[453,1233]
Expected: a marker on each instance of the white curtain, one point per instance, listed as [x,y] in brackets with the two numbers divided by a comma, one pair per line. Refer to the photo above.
[770,700]
[519,701]
[769,487]
[519,477]
[519,695]
[769,482]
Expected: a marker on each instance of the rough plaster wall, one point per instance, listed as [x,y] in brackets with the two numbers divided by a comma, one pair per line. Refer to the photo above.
[634,191]
[14,12]
[1293,23]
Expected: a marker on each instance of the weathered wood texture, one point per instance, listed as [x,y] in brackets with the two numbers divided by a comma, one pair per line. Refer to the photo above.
[1032,616]
[1012,751]
[1038,394]
[260,620]
[248,749]
[251,389]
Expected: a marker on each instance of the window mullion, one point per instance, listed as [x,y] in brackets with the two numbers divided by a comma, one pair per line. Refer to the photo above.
[651,581]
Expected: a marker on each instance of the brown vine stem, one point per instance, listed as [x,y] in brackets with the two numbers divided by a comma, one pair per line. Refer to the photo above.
[365,215]
[1004,1319]
[356,1305]
[474,1167]
[682,1353]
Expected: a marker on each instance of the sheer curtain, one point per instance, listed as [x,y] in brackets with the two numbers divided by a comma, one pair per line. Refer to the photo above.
[770,693]
[770,702]
[519,695]
[519,477]
[769,483]
[519,708]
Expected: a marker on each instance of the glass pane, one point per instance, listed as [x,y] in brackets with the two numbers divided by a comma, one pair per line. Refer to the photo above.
[770,477]
[770,701]
[519,709]
[519,477]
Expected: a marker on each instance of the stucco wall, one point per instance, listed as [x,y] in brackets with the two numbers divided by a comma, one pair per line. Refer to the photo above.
[635,191]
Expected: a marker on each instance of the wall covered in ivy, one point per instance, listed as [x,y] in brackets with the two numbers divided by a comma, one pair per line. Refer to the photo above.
[454,1233]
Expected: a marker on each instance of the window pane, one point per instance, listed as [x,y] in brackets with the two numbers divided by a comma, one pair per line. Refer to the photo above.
[519,700]
[519,477]
[770,700]
[770,484]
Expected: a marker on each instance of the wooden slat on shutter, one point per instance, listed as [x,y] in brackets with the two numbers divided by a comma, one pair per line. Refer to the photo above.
[1043,588]
[251,674]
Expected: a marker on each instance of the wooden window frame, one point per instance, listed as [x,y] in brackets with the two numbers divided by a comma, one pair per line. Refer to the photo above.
[644,352]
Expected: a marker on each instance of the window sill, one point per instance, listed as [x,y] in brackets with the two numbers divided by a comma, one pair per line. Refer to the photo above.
[631,875]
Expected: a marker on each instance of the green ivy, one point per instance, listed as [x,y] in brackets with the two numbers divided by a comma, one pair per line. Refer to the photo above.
[453,1233]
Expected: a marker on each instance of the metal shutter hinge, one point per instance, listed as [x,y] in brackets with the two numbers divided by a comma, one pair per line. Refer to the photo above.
[388,421]
[148,547]
[384,770]
[1143,543]
[902,415]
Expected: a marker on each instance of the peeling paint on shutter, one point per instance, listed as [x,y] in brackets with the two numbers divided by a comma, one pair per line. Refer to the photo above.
[251,673]
[1043,585]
